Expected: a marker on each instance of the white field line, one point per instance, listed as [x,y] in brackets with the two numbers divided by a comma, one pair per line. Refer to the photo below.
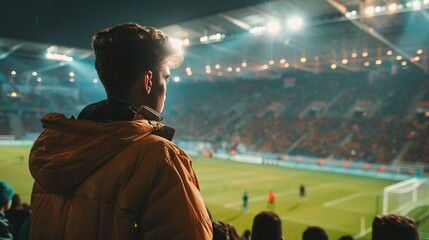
[353,210]
[216,184]
[342,199]
[263,197]
[361,234]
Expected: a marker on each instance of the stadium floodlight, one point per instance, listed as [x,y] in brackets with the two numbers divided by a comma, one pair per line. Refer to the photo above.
[257,30]
[415,59]
[186,42]
[204,39]
[295,23]
[216,37]
[273,26]
[392,7]
[369,10]
[58,57]
[351,15]
[417,5]
[377,9]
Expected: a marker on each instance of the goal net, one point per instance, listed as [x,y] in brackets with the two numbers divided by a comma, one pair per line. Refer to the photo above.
[404,197]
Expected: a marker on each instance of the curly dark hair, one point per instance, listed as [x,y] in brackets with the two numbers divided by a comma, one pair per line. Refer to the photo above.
[124,52]
[394,226]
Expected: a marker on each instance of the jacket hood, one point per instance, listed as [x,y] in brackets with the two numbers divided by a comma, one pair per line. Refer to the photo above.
[69,150]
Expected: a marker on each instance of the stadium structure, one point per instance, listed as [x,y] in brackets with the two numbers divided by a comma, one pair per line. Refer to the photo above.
[334,86]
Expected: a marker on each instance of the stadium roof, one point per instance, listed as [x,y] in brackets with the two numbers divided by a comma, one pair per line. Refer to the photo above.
[229,33]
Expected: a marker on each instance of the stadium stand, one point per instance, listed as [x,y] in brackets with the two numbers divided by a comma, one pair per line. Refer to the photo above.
[326,115]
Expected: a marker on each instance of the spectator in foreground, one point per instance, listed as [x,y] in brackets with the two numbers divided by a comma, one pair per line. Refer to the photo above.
[114,173]
[17,214]
[267,225]
[314,233]
[224,231]
[6,194]
[393,226]
[346,237]
[245,235]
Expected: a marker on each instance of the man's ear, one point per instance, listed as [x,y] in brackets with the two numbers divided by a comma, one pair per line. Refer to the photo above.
[147,81]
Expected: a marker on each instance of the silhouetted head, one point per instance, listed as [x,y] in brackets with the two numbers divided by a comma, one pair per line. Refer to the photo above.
[16,201]
[314,233]
[393,226]
[133,63]
[267,226]
[6,194]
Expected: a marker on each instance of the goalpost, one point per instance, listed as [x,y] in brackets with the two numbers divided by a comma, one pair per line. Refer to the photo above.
[404,197]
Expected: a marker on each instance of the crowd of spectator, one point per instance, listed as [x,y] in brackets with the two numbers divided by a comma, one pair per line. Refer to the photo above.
[358,119]
[15,218]
[267,225]
[4,124]
[350,116]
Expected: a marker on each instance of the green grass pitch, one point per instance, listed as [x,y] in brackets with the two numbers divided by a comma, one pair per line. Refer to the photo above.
[335,202]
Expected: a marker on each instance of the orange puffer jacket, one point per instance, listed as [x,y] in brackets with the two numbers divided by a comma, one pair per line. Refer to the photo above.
[112,181]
